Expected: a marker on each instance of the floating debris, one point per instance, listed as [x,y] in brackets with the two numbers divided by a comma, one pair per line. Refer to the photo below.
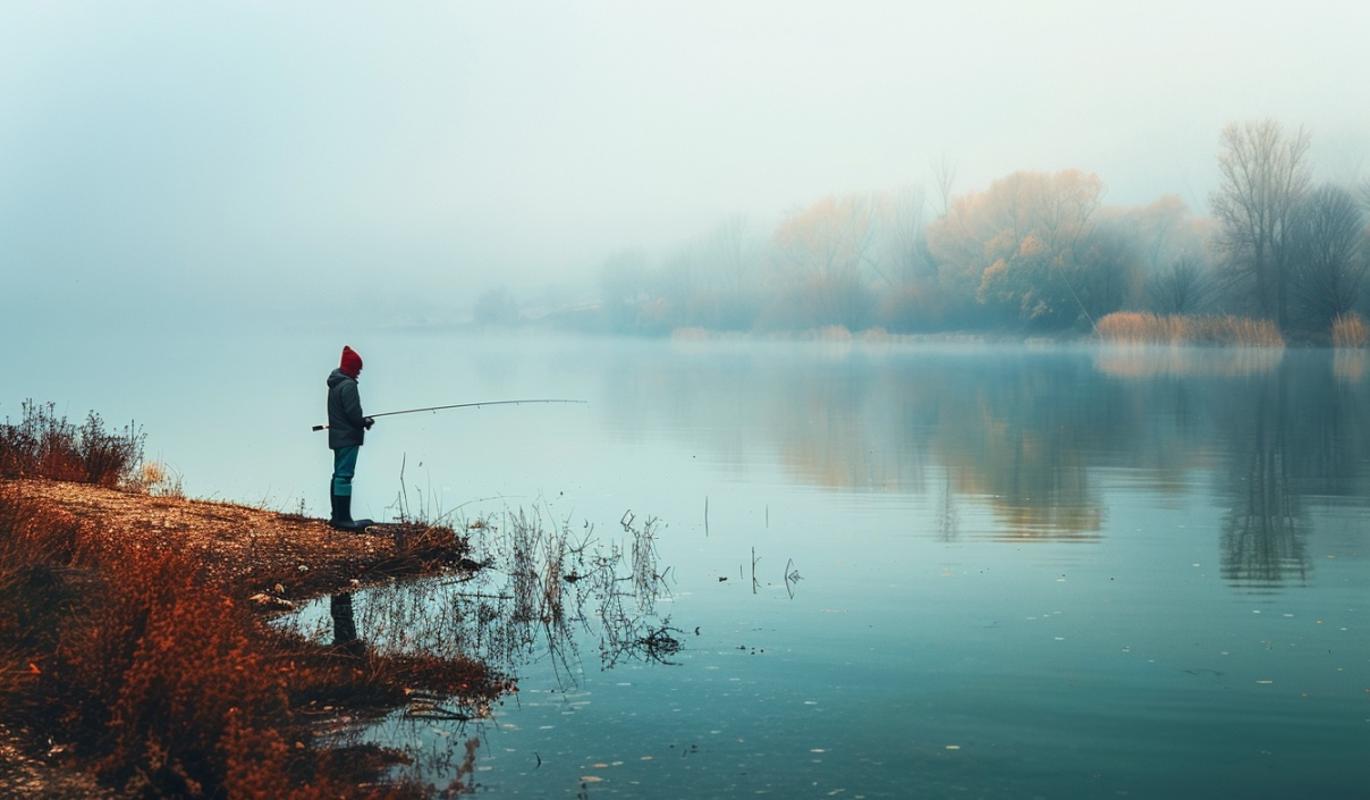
[268,601]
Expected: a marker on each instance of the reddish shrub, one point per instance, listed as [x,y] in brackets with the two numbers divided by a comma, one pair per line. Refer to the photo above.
[44,445]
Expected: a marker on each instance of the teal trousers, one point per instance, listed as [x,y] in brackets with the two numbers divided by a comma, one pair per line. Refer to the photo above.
[344,467]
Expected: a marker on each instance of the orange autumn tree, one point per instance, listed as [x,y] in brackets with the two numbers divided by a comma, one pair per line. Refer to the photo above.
[1028,247]
[822,262]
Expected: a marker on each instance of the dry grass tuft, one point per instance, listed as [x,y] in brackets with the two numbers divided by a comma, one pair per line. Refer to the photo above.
[157,479]
[1130,327]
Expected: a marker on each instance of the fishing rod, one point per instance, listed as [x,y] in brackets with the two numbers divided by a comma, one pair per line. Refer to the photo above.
[458,405]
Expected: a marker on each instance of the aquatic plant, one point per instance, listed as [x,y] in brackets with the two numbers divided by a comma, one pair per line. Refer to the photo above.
[542,583]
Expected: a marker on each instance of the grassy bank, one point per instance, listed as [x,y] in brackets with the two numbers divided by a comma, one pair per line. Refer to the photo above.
[134,655]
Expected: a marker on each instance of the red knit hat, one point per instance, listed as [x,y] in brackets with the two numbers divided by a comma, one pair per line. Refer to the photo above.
[351,362]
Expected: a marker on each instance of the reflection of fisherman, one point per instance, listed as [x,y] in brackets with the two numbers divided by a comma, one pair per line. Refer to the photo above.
[344,624]
[347,428]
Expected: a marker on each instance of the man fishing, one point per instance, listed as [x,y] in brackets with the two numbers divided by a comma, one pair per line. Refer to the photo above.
[347,428]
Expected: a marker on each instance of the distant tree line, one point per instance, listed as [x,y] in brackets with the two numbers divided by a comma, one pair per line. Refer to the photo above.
[1034,251]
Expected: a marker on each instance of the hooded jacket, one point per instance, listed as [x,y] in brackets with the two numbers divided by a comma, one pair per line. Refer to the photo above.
[345,416]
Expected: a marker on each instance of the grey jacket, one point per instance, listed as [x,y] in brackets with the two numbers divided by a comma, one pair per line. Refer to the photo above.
[345,416]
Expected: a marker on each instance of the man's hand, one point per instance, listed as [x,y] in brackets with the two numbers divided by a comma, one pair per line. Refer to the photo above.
[367,422]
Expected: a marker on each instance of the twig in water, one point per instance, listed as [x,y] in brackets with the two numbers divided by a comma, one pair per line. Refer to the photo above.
[791,577]
[480,595]
[424,710]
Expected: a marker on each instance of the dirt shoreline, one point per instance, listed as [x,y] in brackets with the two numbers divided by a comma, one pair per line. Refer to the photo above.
[245,550]
[240,565]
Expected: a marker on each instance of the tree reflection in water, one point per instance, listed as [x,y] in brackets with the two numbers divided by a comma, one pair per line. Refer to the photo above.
[1263,534]
[1296,437]
[1031,434]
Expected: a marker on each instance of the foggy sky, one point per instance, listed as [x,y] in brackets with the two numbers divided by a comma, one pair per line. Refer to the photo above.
[288,158]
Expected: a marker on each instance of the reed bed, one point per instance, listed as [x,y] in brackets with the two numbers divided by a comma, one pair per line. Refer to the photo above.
[1349,331]
[1131,327]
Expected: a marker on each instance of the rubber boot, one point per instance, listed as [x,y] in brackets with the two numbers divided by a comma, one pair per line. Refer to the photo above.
[332,505]
[342,512]
[342,518]
[357,524]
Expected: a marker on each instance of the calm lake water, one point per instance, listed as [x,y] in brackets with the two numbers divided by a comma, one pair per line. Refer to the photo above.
[979,571]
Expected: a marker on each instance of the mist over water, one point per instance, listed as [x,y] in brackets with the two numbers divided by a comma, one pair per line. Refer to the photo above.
[1087,569]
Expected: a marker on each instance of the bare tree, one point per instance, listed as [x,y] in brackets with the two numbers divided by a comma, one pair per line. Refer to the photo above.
[1264,175]
[624,283]
[901,234]
[733,260]
[495,306]
[1180,288]
[944,175]
[730,246]
[1327,245]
